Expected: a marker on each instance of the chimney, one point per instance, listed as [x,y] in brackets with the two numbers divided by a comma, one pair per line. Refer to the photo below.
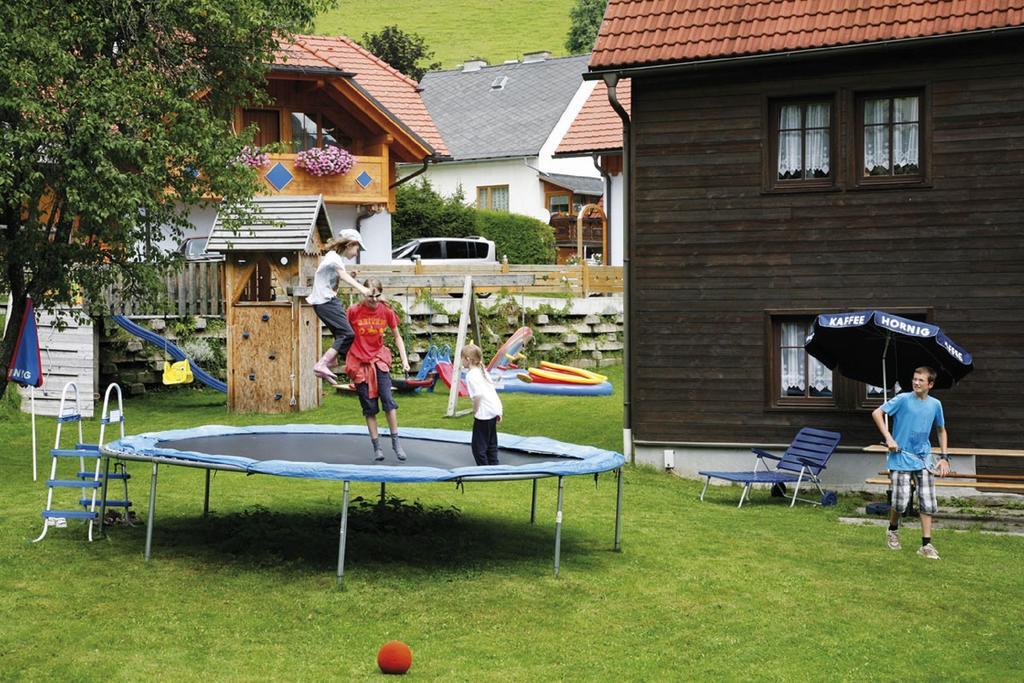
[532,57]
[473,65]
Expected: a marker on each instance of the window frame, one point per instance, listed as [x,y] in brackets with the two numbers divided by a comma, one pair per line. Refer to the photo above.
[771,167]
[488,191]
[773,321]
[856,165]
[318,116]
[848,395]
[568,202]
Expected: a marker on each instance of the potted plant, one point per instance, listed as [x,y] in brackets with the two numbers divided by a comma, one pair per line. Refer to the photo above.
[324,161]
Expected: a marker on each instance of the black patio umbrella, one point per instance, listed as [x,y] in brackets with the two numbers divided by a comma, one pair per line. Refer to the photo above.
[881,348]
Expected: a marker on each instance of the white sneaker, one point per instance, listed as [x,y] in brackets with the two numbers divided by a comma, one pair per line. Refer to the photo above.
[892,539]
[928,551]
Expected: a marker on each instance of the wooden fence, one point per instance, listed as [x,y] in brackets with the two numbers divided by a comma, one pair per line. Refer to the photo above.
[575,280]
[197,289]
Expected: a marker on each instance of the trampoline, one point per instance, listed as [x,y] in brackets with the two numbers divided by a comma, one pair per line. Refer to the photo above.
[342,453]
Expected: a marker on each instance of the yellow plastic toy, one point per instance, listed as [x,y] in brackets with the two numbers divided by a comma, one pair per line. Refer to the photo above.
[178,373]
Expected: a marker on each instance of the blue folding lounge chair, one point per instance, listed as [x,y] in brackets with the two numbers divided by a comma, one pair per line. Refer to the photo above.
[805,458]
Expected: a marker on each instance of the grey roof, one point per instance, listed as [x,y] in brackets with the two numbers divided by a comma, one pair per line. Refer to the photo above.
[279,224]
[478,121]
[577,183]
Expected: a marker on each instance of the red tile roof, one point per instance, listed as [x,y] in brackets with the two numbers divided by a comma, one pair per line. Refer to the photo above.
[396,92]
[647,32]
[597,128]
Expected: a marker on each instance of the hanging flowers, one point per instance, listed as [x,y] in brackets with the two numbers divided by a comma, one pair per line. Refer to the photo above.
[321,161]
[253,157]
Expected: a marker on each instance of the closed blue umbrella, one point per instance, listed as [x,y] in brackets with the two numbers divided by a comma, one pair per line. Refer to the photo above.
[880,348]
[26,368]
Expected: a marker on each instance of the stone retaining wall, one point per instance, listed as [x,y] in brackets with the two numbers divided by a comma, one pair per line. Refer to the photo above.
[586,333]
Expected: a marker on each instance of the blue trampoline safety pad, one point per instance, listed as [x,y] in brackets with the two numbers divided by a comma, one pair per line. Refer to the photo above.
[343,453]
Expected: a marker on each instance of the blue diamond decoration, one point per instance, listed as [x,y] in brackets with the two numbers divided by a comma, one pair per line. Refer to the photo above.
[364,180]
[279,176]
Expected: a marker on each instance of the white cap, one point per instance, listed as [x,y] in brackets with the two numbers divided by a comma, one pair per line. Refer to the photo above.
[348,235]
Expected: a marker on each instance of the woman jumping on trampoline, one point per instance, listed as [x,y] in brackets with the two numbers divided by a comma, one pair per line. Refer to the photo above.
[324,299]
[369,363]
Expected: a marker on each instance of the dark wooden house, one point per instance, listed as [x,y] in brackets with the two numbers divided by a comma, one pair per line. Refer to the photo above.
[791,159]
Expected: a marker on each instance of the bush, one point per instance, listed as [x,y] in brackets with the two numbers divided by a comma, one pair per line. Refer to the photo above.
[521,238]
[422,212]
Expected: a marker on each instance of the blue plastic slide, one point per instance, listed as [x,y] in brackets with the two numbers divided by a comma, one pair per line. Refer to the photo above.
[172,350]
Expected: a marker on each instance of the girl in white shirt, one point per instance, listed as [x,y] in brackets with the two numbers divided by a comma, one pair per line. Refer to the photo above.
[324,299]
[487,406]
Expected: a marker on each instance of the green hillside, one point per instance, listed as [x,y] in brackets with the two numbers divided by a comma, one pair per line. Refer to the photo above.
[456,30]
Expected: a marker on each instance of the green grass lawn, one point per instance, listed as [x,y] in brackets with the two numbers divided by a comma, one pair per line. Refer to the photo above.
[508,28]
[700,590]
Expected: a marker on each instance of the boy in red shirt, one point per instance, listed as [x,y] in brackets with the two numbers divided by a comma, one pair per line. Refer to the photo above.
[368,363]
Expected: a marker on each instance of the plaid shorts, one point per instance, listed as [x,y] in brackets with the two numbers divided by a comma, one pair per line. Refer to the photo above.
[925,482]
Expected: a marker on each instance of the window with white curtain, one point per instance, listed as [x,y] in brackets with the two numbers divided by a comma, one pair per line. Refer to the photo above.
[799,375]
[890,136]
[802,140]
[797,379]
[493,197]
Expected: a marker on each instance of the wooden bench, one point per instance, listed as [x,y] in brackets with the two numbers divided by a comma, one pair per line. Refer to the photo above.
[993,482]
[1012,483]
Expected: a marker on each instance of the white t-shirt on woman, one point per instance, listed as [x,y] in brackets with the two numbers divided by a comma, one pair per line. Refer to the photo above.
[325,281]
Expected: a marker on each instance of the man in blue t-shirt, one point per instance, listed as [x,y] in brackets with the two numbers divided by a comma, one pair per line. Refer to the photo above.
[910,455]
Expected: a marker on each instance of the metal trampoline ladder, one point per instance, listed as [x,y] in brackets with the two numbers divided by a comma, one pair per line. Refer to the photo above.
[88,481]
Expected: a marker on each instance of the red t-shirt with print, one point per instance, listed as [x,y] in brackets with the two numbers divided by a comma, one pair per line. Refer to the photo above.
[369,325]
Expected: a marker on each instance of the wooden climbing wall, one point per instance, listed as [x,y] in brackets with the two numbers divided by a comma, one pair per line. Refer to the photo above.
[262,362]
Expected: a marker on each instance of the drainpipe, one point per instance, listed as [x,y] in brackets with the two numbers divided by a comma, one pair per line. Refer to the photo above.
[612,80]
[402,181]
[366,211]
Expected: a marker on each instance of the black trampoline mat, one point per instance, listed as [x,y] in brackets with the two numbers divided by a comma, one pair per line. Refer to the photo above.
[345,449]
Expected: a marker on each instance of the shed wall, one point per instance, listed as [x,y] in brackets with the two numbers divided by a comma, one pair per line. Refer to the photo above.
[714,252]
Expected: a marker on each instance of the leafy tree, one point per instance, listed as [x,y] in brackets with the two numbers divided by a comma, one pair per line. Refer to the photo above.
[585,19]
[404,51]
[114,121]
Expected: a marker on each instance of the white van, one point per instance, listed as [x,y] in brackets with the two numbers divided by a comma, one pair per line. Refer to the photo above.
[446,250]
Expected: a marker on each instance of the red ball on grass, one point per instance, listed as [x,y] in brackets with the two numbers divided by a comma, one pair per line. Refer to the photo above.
[394,657]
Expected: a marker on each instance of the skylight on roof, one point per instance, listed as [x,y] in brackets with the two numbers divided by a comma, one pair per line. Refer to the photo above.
[499,83]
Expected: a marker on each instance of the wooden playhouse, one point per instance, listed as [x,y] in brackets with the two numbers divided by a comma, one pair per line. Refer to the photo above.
[273,335]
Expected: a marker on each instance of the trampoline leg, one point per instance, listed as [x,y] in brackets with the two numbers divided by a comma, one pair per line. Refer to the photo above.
[533,504]
[344,530]
[206,495]
[558,524]
[618,513]
[705,489]
[382,493]
[746,490]
[149,518]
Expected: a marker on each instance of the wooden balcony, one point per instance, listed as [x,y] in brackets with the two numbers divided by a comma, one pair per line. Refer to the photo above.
[365,183]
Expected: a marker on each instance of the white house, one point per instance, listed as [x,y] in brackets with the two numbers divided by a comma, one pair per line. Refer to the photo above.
[502,125]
